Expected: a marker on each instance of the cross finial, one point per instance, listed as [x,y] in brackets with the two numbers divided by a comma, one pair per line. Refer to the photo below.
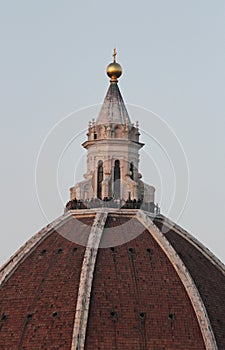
[114,55]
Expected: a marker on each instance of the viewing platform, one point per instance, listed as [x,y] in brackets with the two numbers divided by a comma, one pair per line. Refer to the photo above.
[113,203]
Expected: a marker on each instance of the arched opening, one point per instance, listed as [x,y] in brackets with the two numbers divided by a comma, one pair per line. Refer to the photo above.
[131,171]
[117,179]
[99,179]
[116,132]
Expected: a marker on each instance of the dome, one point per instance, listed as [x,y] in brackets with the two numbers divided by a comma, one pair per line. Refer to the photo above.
[154,291]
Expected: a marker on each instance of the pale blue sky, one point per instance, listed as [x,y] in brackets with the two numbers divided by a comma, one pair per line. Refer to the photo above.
[53,59]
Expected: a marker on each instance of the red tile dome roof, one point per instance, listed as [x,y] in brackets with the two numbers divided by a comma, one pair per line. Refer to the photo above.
[160,289]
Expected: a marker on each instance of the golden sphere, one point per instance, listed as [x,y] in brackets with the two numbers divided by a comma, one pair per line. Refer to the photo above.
[114,71]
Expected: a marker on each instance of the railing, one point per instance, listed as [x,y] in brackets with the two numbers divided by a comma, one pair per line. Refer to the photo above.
[113,203]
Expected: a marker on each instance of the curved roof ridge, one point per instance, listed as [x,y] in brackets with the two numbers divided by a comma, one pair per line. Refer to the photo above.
[14,261]
[186,279]
[194,241]
[86,279]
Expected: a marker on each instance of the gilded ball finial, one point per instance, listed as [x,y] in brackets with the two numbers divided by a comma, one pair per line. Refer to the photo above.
[114,69]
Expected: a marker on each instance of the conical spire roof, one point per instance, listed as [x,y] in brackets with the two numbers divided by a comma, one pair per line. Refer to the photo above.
[113,109]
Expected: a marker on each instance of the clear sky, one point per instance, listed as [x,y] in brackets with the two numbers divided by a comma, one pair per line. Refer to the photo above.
[53,60]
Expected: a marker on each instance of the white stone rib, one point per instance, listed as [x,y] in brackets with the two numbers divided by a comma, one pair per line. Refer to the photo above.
[21,254]
[186,279]
[7,269]
[192,240]
[86,279]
